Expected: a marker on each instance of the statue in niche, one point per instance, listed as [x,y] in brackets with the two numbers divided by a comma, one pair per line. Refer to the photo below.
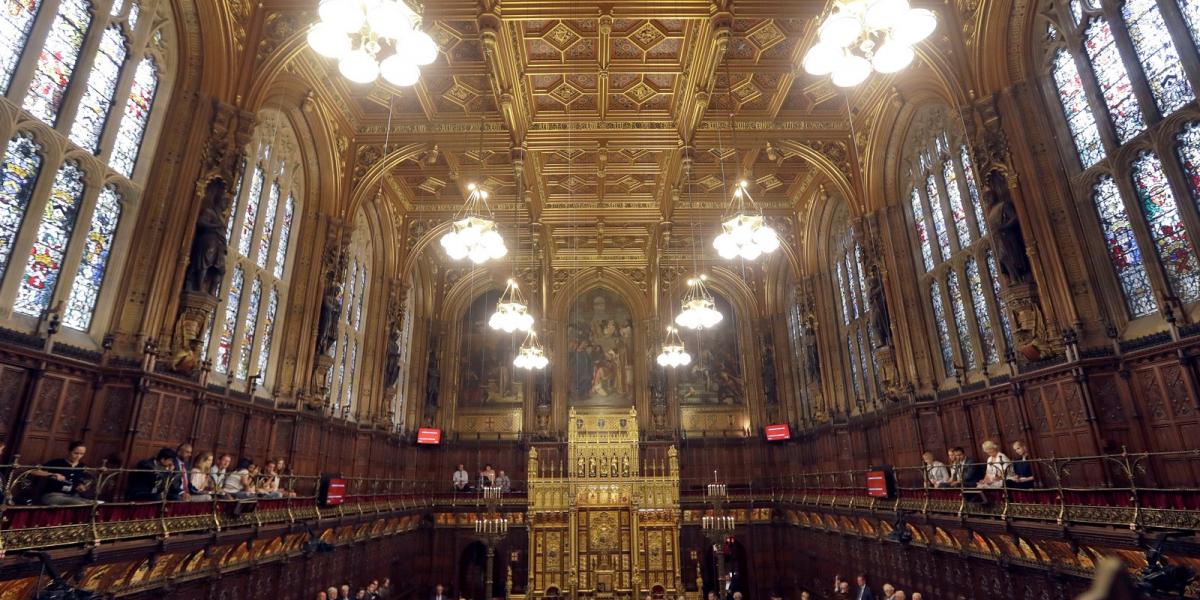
[391,368]
[433,376]
[206,265]
[768,367]
[331,311]
[658,385]
[1008,243]
[542,391]
[881,321]
[812,354]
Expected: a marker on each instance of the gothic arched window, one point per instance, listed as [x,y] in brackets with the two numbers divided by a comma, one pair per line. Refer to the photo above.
[350,339]
[952,245]
[850,277]
[260,225]
[1127,56]
[406,341]
[65,69]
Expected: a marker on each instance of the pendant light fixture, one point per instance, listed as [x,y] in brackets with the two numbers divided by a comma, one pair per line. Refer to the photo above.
[512,311]
[531,356]
[673,353]
[699,311]
[473,232]
[359,32]
[744,232]
[864,35]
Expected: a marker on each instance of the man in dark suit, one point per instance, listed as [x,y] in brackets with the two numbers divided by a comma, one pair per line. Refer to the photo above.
[864,591]
[153,478]
[972,472]
[439,593]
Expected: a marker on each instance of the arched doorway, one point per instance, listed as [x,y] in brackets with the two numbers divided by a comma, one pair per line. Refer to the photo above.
[736,566]
[472,571]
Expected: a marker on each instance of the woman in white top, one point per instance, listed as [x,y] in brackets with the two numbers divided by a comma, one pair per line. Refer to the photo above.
[200,482]
[998,466]
[240,483]
[268,481]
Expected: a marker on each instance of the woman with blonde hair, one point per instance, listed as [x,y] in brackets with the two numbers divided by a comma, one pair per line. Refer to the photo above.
[998,466]
[200,485]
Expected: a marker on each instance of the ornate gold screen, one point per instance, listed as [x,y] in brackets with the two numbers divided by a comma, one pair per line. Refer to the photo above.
[604,526]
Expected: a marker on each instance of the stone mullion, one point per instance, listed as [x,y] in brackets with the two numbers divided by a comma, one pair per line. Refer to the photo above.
[1087,76]
[1133,65]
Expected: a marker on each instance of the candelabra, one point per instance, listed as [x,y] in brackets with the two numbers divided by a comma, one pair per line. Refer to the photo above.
[491,526]
[488,526]
[718,527]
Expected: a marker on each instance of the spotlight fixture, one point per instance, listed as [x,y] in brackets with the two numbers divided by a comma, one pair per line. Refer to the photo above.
[358,32]
[745,232]
[512,311]
[699,309]
[861,35]
[473,234]
[531,355]
[673,353]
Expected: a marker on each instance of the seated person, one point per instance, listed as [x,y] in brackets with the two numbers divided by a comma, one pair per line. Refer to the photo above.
[998,466]
[487,476]
[240,482]
[503,482]
[63,479]
[267,485]
[1021,474]
[219,471]
[461,479]
[200,486]
[936,473]
[153,478]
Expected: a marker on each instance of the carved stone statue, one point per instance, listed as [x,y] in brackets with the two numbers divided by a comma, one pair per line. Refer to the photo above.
[206,267]
[391,368]
[433,377]
[331,311]
[812,354]
[658,385]
[542,391]
[768,370]
[881,320]
[1007,241]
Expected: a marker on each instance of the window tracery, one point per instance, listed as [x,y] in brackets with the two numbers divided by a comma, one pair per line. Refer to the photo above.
[60,236]
[964,299]
[860,343]
[1127,54]
[350,331]
[257,262]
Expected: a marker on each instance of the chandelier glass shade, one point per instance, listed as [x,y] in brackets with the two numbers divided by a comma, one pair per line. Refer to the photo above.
[699,311]
[512,312]
[370,38]
[531,356]
[864,35]
[673,353]
[473,232]
[745,233]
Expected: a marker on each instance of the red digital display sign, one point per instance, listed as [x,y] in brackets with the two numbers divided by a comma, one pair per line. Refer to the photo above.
[334,492]
[428,435]
[777,433]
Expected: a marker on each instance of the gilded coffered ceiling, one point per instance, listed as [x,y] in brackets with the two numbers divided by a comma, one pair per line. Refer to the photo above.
[625,119]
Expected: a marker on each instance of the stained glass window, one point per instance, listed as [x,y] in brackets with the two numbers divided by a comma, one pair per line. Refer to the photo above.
[97,246]
[362,294]
[233,303]
[1005,326]
[353,371]
[841,277]
[101,87]
[341,374]
[50,245]
[1155,50]
[939,218]
[349,303]
[960,320]
[1123,250]
[137,115]
[117,6]
[973,189]
[1084,131]
[865,363]
[1076,11]
[1171,240]
[56,63]
[852,282]
[855,375]
[134,12]
[862,278]
[1188,150]
[16,21]
[22,163]
[246,348]
[939,320]
[268,228]
[264,345]
[250,212]
[1191,14]
[987,339]
[957,212]
[285,233]
[922,229]
[1113,79]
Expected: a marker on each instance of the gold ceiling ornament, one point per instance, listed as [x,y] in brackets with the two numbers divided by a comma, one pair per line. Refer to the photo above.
[358,32]
[861,35]
[673,353]
[512,311]
[473,232]
[699,310]
[531,355]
